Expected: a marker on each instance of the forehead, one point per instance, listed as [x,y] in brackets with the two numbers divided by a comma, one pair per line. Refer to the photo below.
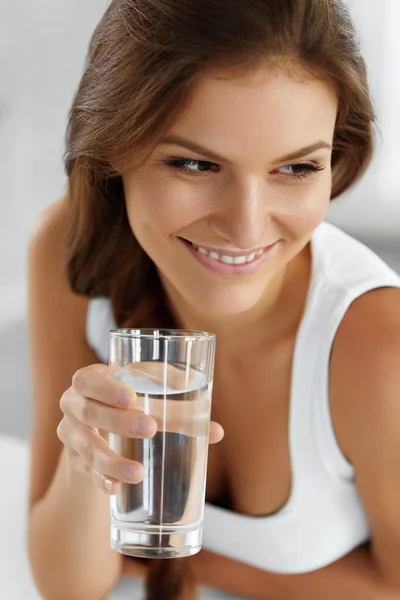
[269,111]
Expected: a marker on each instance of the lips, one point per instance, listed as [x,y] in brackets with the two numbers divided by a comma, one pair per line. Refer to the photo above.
[222,252]
[223,268]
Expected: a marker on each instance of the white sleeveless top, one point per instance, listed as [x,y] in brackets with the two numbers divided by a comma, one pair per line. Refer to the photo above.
[323,519]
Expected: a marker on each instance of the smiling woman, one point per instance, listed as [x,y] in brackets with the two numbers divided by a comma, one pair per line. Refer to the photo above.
[224,207]
[205,143]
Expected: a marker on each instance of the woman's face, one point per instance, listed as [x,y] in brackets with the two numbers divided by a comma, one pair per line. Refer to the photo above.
[244,170]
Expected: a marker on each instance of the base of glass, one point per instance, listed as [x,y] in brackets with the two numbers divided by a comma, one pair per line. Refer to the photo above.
[167,542]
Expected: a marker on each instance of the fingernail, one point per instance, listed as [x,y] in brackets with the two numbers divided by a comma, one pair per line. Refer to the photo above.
[143,426]
[107,485]
[125,399]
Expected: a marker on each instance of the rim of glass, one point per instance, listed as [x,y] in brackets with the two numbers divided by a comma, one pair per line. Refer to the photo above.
[174,334]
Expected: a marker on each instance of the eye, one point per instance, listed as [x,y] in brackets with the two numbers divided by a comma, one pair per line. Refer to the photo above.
[203,167]
[193,167]
[299,170]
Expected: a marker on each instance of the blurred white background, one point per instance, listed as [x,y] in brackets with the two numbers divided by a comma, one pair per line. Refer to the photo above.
[43,44]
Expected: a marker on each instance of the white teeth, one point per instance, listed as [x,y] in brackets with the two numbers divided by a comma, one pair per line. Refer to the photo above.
[239,260]
[233,260]
[230,260]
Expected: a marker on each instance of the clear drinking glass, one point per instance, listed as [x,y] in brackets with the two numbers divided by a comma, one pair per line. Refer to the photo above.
[171,372]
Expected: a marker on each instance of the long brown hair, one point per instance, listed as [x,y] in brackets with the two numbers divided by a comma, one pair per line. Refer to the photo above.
[143,59]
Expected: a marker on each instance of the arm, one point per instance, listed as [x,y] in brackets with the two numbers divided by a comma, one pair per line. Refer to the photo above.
[365,404]
[68,525]
[354,577]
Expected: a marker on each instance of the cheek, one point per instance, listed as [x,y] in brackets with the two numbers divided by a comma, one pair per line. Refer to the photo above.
[156,213]
[302,211]
[164,205]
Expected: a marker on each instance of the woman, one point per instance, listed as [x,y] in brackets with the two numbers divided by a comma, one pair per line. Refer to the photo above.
[205,142]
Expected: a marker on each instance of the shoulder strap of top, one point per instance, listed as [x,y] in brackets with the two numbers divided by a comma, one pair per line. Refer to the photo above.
[343,270]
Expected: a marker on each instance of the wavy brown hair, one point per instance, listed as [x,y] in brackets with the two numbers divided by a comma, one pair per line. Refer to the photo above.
[143,60]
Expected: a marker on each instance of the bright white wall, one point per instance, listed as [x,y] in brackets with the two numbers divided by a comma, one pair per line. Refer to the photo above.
[371,210]
[42,48]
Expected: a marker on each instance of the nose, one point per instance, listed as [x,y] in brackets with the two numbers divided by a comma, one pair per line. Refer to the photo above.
[241,217]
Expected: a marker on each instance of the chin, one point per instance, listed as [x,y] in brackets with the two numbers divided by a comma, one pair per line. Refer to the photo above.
[214,300]
[213,304]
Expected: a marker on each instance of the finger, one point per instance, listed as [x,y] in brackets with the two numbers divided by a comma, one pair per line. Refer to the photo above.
[93,382]
[129,423]
[106,484]
[216,433]
[95,453]
[153,414]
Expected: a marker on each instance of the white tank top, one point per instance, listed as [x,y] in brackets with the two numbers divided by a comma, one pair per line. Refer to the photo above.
[323,519]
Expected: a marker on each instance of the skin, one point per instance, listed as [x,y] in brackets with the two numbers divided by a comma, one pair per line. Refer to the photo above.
[249,199]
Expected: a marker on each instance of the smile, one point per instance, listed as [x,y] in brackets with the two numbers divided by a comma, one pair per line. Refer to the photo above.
[231,265]
[229,260]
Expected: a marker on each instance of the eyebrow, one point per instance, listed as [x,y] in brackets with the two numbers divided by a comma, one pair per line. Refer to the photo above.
[176,140]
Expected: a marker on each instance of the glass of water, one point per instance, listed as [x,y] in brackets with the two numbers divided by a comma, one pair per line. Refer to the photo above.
[171,372]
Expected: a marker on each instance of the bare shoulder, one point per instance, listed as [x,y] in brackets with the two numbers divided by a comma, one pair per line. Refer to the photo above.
[364,372]
[365,404]
[53,220]
[48,238]
[57,339]
[47,263]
